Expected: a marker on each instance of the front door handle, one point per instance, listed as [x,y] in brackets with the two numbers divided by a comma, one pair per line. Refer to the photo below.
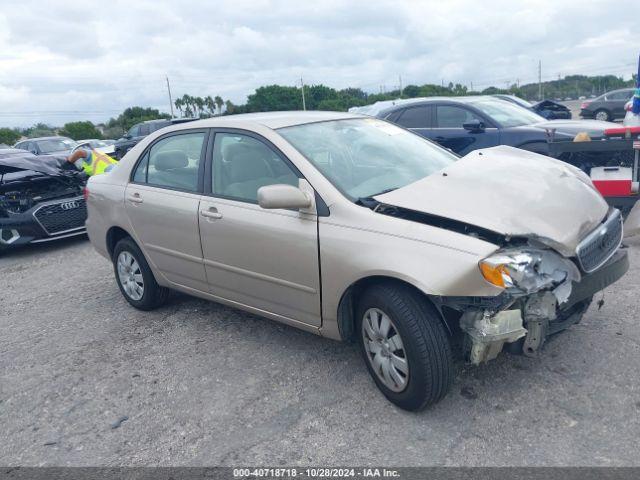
[135,198]
[211,212]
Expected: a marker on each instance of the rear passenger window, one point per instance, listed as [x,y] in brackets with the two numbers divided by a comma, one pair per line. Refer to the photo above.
[173,162]
[144,129]
[415,117]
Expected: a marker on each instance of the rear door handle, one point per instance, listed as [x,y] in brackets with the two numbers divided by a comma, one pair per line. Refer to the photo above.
[135,198]
[211,212]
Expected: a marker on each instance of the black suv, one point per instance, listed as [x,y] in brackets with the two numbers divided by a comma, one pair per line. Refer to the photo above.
[607,107]
[141,130]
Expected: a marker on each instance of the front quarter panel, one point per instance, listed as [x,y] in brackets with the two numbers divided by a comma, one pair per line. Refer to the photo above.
[357,243]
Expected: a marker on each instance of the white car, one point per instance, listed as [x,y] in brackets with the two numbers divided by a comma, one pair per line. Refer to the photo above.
[102,146]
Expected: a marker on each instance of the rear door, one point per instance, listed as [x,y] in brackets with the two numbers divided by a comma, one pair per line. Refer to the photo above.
[162,202]
[266,259]
[449,132]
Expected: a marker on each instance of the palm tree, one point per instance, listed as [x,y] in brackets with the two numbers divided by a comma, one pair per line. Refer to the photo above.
[219,103]
[210,104]
[199,102]
[179,104]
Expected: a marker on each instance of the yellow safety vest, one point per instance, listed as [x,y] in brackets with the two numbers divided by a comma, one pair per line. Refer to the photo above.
[97,163]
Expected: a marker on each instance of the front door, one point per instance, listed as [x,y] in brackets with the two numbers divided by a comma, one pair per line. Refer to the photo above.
[162,205]
[450,133]
[266,259]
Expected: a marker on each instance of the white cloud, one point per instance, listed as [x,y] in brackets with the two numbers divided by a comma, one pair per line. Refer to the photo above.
[101,57]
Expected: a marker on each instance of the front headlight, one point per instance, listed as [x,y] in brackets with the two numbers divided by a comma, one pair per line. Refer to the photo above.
[527,270]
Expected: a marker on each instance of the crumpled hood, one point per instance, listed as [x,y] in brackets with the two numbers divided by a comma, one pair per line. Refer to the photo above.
[511,192]
[15,162]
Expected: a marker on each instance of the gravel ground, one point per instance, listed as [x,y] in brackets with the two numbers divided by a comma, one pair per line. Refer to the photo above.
[87,380]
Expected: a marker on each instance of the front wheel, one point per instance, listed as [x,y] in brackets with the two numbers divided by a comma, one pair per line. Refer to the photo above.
[602,115]
[405,346]
[135,278]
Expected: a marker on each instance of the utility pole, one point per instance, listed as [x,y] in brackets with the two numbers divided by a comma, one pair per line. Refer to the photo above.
[539,79]
[304,103]
[169,90]
[400,80]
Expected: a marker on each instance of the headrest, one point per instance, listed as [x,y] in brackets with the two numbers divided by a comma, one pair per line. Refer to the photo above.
[233,151]
[171,159]
[246,161]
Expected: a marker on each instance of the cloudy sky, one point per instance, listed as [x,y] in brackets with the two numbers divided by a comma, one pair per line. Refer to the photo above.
[75,60]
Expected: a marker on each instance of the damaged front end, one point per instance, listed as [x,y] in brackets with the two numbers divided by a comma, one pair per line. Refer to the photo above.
[543,291]
[40,200]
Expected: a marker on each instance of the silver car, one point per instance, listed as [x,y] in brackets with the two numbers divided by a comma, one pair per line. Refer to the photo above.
[358,230]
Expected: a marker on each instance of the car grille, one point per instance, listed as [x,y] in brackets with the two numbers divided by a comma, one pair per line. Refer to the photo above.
[62,216]
[601,244]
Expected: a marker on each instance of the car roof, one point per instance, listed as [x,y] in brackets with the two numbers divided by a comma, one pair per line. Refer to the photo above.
[388,106]
[272,120]
[44,138]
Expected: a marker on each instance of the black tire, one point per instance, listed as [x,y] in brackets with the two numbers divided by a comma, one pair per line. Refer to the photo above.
[153,294]
[606,115]
[426,344]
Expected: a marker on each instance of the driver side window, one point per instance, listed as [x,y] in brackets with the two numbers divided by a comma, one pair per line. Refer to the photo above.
[449,116]
[243,164]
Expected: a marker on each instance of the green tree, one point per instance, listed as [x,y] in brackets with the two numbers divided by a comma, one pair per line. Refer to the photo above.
[39,130]
[133,115]
[210,104]
[9,136]
[274,97]
[230,108]
[80,130]
[411,91]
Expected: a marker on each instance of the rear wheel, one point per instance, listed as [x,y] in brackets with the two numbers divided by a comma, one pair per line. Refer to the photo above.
[405,346]
[602,115]
[135,278]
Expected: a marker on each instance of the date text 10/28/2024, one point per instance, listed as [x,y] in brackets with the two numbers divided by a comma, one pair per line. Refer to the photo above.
[316,472]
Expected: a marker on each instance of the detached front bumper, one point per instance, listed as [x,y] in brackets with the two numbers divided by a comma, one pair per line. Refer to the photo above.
[523,324]
[44,222]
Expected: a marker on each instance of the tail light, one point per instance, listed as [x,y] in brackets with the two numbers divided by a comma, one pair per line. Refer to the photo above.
[85,193]
[584,105]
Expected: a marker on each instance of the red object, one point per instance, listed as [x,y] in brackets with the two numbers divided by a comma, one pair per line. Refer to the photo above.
[85,193]
[612,181]
[621,131]
[584,105]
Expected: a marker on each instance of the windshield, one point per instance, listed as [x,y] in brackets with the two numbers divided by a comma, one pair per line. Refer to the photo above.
[507,114]
[55,145]
[364,157]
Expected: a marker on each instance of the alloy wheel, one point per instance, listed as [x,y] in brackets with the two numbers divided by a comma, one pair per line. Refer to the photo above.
[385,349]
[130,276]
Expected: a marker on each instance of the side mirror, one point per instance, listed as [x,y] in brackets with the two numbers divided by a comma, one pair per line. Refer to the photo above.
[127,136]
[283,196]
[474,126]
